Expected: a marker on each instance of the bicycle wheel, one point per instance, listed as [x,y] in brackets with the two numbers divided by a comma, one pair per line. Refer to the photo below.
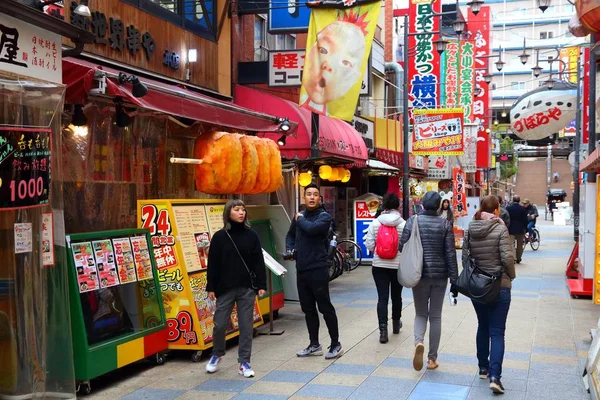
[535,242]
[336,266]
[351,253]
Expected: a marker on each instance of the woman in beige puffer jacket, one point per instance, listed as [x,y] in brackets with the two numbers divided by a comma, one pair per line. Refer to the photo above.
[489,243]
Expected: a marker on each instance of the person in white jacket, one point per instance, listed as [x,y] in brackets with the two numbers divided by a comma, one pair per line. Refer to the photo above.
[385,270]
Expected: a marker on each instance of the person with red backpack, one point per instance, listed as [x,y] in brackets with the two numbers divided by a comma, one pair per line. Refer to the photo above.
[382,239]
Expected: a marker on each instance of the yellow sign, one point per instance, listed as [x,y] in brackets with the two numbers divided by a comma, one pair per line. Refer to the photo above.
[570,56]
[340,43]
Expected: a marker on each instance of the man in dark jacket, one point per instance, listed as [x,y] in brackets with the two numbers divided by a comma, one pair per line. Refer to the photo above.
[518,224]
[532,215]
[504,215]
[308,236]
[439,264]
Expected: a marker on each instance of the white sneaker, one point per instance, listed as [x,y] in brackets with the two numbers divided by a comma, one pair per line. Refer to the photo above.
[246,370]
[213,364]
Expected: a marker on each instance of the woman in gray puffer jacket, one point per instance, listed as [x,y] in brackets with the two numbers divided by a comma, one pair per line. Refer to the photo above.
[439,264]
[490,246]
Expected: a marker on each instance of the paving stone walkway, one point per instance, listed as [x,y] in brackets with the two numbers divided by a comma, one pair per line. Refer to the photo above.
[547,340]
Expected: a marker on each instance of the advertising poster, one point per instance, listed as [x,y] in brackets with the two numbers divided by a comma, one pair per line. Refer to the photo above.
[424,68]
[215,217]
[365,208]
[439,167]
[47,241]
[156,218]
[24,167]
[105,263]
[124,260]
[338,47]
[205,307]
[23,238]
[460,193]
[141,255]
[85,266]
[192,226]
[438,132]
[585,125]
[450,74]
[480,27]
[468,161]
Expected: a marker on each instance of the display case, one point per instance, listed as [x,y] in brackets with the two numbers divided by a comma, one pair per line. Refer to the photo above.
[117,316]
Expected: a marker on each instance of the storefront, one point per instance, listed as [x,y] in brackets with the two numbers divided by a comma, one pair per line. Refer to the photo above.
[35,339]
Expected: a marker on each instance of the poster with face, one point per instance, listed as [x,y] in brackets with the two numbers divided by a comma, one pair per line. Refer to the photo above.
[338,46]
[105,263]
[85,266]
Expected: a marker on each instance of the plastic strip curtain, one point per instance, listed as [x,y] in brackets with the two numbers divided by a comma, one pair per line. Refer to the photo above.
[35,335]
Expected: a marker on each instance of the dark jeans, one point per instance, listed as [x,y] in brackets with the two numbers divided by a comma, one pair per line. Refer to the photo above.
[386,278]
[244,298]
[530,227]
[492,325]
[313,291]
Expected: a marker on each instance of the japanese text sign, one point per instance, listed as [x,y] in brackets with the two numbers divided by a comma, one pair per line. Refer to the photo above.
[424,67]
[47,239]
[439,167]
[459,76]
[30,51]
[585,125]
[570,56]
[438,131]
[460,192]
[390,157]
[285,67]
[25,172]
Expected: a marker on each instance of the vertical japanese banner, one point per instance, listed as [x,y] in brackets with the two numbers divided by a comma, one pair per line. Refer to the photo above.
[570,56]
[338,47]
[460,192]
[467,78]
[479,28]
[450,74]
[424,66]
[585,123]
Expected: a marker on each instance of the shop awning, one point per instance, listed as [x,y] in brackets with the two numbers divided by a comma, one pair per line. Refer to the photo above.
[592,163]
[79,76]
[336,138]
[376,164]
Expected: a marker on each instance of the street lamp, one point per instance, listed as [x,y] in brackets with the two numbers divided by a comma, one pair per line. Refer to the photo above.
[543,4]
[549,82]
[476,6]
[500,64]
[440,45]
[488,77]
[524,57]
[537,70]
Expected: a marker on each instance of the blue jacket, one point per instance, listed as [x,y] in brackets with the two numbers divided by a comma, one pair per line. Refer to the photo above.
[308,236]
[518,219]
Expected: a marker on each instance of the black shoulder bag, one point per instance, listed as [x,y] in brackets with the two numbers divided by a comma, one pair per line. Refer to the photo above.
[251,273]
[477,284]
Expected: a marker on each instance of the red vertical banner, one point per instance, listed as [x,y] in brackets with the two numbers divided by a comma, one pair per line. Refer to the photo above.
[585,123]
[459,199]
[479,28]
[424,66]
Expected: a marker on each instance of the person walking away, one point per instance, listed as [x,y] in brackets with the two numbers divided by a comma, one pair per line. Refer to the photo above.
[532,215]
[489,244]
[308,237]
[555,176]
[439,264]
[518,224]
[504,215]
[382,240]
[446,211]
[236,274]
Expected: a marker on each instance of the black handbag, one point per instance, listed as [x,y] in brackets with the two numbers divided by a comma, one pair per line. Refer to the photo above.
[478,285]
[251,273]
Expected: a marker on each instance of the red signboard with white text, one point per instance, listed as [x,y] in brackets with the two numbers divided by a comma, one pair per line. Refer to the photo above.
[479,28]
[438,132]
[424,66]
[459,199]
[585,124]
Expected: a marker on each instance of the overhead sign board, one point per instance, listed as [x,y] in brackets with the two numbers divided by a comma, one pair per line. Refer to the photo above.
[288,17]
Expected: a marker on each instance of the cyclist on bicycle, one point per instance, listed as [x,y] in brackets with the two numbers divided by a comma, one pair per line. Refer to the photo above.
[532,215]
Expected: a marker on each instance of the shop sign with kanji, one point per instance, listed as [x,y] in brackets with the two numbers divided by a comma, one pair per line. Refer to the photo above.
[29,51]
[438,132]
[25,173]
[389,157]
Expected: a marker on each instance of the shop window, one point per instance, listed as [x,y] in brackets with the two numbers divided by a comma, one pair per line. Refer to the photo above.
[546,35]
[197,16]
[517,86]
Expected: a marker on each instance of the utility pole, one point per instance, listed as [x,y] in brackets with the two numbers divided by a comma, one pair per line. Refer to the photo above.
[405,123]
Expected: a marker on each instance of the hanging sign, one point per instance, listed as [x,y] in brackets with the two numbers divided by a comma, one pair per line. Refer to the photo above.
[439,167]
[30,51]
[460,192]
[438,132]
[47,241]
[23,238]
[24,167]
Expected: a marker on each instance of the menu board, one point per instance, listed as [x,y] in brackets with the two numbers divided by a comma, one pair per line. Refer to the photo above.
[105,263]
[192,226]
[85,265]
[124,260]
[215,217]
[141,255]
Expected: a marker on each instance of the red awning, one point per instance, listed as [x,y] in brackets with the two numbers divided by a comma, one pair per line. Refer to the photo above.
[78,75]
[336,138]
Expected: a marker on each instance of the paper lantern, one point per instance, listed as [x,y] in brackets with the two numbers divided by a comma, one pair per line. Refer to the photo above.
[304,179]
[276,177]
[589,14]
[334,174]
[340,174]
[325,172]
[221,170]
[249,165]
[347,175]
[542,112]
[263,178]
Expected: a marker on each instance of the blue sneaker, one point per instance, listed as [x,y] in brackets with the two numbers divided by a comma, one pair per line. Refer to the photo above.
[213,364]
[246,370]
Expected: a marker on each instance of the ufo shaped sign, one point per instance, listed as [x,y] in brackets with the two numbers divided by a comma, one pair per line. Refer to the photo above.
[543,112]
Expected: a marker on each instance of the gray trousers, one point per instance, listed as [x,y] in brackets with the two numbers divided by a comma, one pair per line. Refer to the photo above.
[429,299]
[244,298]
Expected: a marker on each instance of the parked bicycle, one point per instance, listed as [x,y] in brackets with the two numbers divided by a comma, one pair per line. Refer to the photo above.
[347,257]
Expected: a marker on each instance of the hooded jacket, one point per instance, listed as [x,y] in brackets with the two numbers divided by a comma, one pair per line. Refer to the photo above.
[388,218]
[491,248]
[308,236]
[437,239]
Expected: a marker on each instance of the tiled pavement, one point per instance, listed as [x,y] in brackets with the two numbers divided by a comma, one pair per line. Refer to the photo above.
[546,342]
